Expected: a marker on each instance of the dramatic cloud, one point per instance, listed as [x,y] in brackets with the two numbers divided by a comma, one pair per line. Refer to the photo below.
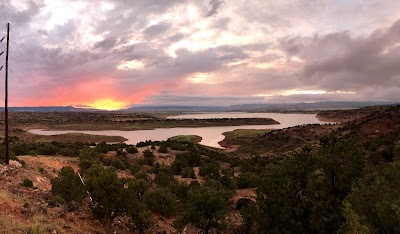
[215,5]
[212,52]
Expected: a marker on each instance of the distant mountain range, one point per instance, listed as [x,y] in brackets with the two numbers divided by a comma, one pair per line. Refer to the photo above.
[263,107]
[245,107]
[48,109]
[307,106]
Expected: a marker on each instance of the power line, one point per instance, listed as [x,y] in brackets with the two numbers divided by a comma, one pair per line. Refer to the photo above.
[6,98]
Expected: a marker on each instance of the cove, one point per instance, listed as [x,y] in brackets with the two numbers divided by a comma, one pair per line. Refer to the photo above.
[210,135]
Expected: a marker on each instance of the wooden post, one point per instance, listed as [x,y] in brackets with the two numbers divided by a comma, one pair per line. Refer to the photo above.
[6,98]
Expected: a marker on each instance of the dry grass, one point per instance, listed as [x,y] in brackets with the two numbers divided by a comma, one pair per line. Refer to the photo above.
[16,219]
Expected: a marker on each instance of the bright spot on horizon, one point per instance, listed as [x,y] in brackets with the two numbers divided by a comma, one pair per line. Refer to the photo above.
[131,65]
[108,104]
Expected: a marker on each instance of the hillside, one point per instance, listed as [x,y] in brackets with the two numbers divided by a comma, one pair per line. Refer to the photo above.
[303,179]
[370,126]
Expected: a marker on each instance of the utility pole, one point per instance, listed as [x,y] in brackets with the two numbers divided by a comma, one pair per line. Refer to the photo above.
[6,98]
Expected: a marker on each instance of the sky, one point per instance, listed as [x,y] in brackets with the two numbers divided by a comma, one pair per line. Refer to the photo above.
[114,54]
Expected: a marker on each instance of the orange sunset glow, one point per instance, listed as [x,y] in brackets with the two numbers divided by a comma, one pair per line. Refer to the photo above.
[108,104]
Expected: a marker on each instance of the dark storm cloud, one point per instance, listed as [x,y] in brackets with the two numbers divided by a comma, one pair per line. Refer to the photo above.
[142,50]
[155,30]
[176,37]
[127,15]
[22,17]
[341,62]
[106,44]
[207,60]
[215,5]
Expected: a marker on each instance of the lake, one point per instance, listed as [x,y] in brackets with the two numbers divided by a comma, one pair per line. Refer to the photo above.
[210,135]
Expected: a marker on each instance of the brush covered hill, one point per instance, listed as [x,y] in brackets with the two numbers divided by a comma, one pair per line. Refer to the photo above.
[315,179]
[371,126]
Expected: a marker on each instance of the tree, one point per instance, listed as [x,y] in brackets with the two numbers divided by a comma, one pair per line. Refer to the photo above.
[343,163]
[373,205]
[281,195]
[247,180]
[162,179]
[131,150]
[210,170]
[304,193]
[137,188]
[68,185]
[106,190]
[161,200]
[249,214]
[206,209]
[140,216]
[163,149]
[188,172]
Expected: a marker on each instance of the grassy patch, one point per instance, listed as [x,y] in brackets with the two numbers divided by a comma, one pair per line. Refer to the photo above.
[247,132]
[186,138]
[242,136]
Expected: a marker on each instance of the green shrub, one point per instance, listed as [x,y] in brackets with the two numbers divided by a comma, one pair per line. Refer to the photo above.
[59,200]
[21,149]
[206,209]
[210,170]
[146,161]
[48,149]
[11,154]
[163,149]
[132,150]
[188,172]
[23,163]
[141,217]
[148,154]
[27,183]
[142,175]
[68,185]
[137,188]
[103,147]
[87,158]
[70,152]
[107,190]
[121,153]
[161,200]
[247,180]
[41,170]
[162,179]
[228,182]
[135,168]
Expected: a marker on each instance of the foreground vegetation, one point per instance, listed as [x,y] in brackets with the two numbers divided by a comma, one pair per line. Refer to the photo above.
[342,179]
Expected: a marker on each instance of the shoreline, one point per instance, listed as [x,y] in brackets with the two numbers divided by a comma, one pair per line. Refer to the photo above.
[150,124]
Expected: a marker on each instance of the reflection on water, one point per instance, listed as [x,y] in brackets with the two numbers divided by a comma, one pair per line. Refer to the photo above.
[210,135]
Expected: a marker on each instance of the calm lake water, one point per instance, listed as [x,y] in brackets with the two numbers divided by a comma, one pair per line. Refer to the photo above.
[211,135]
